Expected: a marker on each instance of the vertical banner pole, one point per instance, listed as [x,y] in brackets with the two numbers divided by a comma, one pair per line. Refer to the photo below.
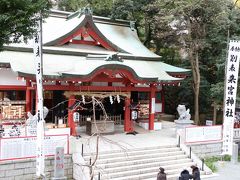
[230,91]
[40,121]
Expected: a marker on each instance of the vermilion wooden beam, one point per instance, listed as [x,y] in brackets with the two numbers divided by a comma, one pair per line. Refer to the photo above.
[102,79]
[12,87]
[94,88]
[67,39]
[94,43]
[112,73]
[71,123]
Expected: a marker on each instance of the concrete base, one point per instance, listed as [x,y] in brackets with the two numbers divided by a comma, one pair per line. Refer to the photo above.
[181,124]
[234,158]
[59,178]
[157,125]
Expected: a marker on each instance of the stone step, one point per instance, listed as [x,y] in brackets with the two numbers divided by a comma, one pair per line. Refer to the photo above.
[137,157]
[141,161]
[141,166]
[176,175]
[138,152]
[147,170]
[153,176]
[132,150]
[147,176]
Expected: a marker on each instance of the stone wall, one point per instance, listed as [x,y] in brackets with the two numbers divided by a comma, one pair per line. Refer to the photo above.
[26,169]
[206,149]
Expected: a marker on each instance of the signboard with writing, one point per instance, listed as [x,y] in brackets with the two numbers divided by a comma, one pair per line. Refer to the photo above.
[203,134]
[76,116]
[143,111]
[209,122]
[134,115]
[25,147]
[231,78]
[59,163]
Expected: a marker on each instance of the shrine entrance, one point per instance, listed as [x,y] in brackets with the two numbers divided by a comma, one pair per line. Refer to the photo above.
[98,107]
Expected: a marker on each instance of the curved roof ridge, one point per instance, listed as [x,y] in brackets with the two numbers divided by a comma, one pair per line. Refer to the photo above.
[112,36]
[73,25]
[59,33]
[65,14]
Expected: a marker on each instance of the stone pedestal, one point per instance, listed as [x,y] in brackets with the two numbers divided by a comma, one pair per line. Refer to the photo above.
[181,124]
[144,125]
[234,158]
[59,164]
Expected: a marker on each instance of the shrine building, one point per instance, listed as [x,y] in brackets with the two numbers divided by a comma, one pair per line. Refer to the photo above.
[86,56]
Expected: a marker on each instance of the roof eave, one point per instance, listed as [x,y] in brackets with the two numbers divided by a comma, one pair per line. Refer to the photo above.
[48,50]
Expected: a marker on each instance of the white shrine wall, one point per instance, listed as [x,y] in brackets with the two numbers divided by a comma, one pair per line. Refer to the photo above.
[9,78]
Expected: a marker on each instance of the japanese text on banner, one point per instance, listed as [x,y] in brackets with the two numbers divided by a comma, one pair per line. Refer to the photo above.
[230,95]
[37,41]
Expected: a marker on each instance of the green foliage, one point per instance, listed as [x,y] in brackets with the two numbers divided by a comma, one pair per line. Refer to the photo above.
[99,7]
[226,158]
[217,92]
[219,49]
[210,162]
[122,9]
[209,23]
[17,19]
[129,9]
[72,5]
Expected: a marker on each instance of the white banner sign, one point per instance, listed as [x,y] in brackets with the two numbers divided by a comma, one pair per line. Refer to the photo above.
[37,50]
[231,79]
[25,147]
[153,106]
[203,134]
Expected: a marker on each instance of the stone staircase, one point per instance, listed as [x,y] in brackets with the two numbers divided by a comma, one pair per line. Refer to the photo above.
[142,163]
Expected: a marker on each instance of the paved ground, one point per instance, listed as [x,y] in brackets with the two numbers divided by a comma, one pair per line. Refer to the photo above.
[227,171]
[121,140]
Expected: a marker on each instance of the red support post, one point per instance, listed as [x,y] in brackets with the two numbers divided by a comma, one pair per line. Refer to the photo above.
[163,100]
[36,101]
[127,121]
[28,98]
[71,123]
[151,106]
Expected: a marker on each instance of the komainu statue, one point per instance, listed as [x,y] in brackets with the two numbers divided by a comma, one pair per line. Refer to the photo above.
[184,115]
[32,120]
